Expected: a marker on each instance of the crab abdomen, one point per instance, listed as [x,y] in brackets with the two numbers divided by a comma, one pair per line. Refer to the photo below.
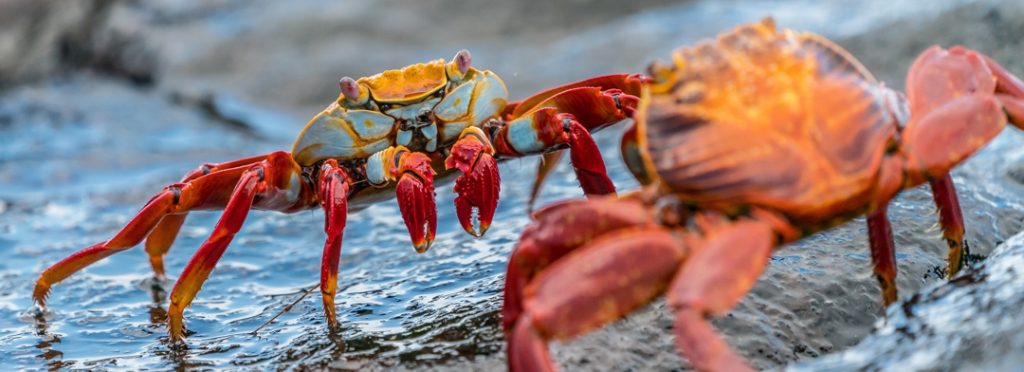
[771,119]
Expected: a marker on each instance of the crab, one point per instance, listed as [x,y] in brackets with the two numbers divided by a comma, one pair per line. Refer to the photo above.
[743,144]
[397,130]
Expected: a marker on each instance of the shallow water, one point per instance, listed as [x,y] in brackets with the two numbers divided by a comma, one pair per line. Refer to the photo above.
[82,152]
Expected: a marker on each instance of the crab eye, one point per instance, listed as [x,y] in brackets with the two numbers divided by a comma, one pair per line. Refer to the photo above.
[349,88]
[439,93]
[463,60]
[384,107]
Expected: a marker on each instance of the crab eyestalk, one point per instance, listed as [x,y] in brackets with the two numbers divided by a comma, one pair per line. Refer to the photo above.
[352,92]
[479,184]
[459,66]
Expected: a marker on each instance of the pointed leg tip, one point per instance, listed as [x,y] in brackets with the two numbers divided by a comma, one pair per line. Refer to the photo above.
[40,293]
[421,246]
[177,335]
[332,324]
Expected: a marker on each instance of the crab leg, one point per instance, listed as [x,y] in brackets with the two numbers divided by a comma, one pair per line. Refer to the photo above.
[415,190]
[600,282]
[630,84]
[565,116]
[206,191]
[546,129]
[723,269]
[268,177]
[944,112]
[952,221]
[162,237]
[883,253]
[549,239]
[479,184]
[128,237]
[547,163]
[333,192]
[1009,92]
[951,100]
[199,267]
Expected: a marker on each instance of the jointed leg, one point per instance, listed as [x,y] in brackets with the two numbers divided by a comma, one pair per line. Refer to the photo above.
[333,191]
[547,163]
[558,230]
[249,184]
[712,281]
[951,220]
[162,237]
[176,199]
[128,237]
[566,116]
[546,129]
[883,254]
[959,100]
[600,282]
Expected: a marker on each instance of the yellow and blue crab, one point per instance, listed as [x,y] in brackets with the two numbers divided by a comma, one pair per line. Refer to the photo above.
[395,130]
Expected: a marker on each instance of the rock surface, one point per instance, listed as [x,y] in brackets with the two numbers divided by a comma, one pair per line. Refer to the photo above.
[969,323]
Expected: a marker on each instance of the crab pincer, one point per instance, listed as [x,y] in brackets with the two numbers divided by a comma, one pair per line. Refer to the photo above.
[415,192]
[479,184]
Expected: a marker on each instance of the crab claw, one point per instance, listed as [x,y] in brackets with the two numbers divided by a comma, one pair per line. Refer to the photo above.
[478,190]
[415,193]
[479,184]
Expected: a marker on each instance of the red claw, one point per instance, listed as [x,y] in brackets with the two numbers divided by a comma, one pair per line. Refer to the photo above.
[415,192]
[478,186]
[478,189]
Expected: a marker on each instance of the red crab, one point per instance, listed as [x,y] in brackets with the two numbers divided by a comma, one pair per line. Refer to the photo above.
[746,143]
[396,130]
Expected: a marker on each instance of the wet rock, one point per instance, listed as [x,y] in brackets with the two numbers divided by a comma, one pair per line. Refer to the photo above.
[970,323]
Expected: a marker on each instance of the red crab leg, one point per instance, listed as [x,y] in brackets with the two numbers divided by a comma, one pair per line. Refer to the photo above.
[954,114]
[479,184]
[272,177]
[594,285]
[565,116]
[546,129]
[333,192]
[883,253]
[207,191]
[723,269]
[249,184]
[947,125]
[128,237]
[559,229]
[548,162]
[1009,91]
[630,84]
[162,237]
[952,221]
